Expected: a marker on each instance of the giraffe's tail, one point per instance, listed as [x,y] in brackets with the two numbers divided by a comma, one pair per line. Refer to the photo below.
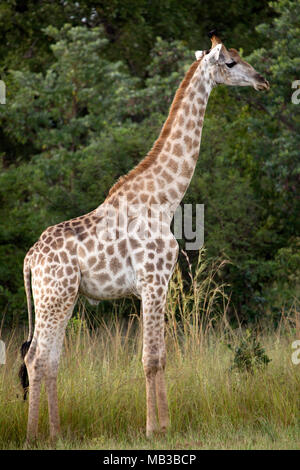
[27,285]
[23,374]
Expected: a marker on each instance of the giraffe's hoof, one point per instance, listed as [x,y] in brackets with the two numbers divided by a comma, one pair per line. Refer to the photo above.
[150,432]
[30,443]
[53,440]
[157,432]
[164,424]
[164,429]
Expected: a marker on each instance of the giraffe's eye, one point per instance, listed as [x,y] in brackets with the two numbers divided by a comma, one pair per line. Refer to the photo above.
[231,64]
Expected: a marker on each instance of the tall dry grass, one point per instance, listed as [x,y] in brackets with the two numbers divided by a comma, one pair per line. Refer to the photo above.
[102,390]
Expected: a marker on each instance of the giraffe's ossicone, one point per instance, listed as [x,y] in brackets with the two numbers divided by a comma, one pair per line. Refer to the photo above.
[124,247]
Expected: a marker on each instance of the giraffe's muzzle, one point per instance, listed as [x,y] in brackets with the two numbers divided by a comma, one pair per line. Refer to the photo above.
[261,83]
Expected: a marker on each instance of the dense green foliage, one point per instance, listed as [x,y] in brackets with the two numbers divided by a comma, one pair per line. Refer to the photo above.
[88,89]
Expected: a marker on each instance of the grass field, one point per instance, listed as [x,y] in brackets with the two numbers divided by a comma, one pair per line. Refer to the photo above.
[212,406]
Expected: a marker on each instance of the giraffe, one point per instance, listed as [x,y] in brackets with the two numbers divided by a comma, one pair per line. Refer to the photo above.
[84,256]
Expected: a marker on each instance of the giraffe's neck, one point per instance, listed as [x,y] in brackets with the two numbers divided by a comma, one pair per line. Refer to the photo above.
[165,174]
[175,164]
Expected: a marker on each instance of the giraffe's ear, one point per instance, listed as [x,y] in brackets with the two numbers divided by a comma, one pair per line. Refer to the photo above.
[199,54]
[215,54]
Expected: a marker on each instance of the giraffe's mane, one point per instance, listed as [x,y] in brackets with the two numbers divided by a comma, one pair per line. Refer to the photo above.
[165,132]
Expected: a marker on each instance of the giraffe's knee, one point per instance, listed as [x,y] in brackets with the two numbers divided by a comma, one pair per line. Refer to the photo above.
[31,353]
[35,366]
[30,361]
[52,368]
[151,364]
[163,360]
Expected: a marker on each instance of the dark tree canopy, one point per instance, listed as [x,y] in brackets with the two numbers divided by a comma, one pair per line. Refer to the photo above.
[89,85]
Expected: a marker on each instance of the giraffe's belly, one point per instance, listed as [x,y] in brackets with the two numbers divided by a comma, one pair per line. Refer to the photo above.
[102,285]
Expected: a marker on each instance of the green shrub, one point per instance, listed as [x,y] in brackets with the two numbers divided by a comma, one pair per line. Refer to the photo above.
[249,354]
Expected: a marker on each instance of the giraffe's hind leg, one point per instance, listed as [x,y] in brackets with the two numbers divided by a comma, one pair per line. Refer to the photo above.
[42,359]
[51,371]
[34,364]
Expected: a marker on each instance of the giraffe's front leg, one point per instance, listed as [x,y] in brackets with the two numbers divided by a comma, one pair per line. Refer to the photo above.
[161,392]
[154,359]
[150,369]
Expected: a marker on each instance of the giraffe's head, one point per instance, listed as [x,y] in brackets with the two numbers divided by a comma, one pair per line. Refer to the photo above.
[226,66]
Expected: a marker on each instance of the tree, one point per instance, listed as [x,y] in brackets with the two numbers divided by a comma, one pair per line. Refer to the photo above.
[67,119]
